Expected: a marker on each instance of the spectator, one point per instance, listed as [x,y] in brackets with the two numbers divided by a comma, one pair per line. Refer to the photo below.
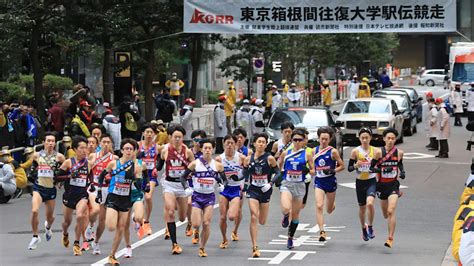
[185,117]
[364,88]
[220,129]
[294,96]
[174,84]
[229,104]
[244,118]
[165,107]
[161,134]
[326,94]
[455,100]
[113,126]
[470,103]
[136,103]
[442,119]
[384,79]
[87,114]
[258,125]
[6,128]
[276,98]
[354,87]
[56,117]
[7,178]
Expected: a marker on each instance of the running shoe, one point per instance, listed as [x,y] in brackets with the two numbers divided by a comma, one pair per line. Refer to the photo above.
[189,231]
[224,244]
[371,232]
[77,249]
[289,243]
[234,236]
[255,252]
[285,221]
[128,252]
[176,250]
[113,260]
[85,246]
[89,232]
[202,253]
[167,234]
[140,231]
[48,233]
[388,243]
[195,239]
[95,248]
[365,234]
[65,240]
[34,242]
[147,228]
[322,236]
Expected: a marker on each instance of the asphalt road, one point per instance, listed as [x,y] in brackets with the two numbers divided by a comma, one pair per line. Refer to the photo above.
[423,234]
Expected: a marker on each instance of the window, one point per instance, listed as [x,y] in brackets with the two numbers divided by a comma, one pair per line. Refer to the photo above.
[463,72]
[300,118]
[376,107]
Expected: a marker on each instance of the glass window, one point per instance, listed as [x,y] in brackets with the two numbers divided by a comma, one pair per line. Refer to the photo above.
[376,107]
[463,72]
[300,118]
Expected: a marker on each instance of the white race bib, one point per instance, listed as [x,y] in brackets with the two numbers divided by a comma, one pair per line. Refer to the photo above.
[78,182]
[259,180]
[204,185]
[149,163]
[45,170]
[294,176]
[121,189]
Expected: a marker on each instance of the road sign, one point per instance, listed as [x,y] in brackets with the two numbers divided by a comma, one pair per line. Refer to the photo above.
[258,65]
[276,66]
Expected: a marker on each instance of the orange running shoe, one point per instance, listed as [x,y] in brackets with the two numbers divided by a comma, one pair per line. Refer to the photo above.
[147,228]
[195,239]
[189,231]
[176,250]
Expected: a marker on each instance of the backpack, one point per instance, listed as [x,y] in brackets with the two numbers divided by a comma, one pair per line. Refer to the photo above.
[20,175]
[130,123]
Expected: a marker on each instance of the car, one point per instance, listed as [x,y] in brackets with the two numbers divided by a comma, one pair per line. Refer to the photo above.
[415,98]
[311,118]
[432,77]
[375,113]
[416,106]
[408,113]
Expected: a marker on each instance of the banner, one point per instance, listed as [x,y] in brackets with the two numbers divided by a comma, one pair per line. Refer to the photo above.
[323,16]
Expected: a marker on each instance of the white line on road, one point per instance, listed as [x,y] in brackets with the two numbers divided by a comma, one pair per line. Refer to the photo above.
[142,242]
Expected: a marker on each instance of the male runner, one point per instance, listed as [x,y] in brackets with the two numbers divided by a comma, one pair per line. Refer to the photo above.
[44,164]
[285,142]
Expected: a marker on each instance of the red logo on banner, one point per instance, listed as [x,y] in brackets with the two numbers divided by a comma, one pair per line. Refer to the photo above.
[200,17]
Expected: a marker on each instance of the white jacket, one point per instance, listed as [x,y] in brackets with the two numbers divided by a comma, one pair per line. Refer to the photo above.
[442,121]
[186,120]
[276,101]
[7,179]
[470,100]
[455,99]
[245,119]
[353,90]
[430,120]
[112,124]
[257,115]
[220,129]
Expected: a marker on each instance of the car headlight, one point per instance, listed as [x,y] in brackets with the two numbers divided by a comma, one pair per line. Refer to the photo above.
[384,124]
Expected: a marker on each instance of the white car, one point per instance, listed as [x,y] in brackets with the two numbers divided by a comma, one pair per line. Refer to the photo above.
[375,113]
[432,77]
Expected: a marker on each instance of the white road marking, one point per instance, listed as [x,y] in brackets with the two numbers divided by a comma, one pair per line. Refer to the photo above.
[282,255]
[142,242]
[416,155]
[353,186]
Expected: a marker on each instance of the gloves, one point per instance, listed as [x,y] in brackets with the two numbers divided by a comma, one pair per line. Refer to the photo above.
[221,187]
[234,177]
[307,179]
[329,172]
[147,188]
[189,191]
[266,188]
[91,188]
[98,198]
[402,174]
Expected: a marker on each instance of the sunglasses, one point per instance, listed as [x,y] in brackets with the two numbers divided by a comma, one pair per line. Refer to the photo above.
[196,139]
[128,148]
[298,139]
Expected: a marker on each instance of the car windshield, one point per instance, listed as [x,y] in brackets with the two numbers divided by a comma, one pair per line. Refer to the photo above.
[309,118]
[367,107]
[401,102]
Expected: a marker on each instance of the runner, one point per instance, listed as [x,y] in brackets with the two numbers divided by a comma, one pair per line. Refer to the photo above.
[360,160]
[148,153]
[327,163]
[285,141]
[388,163]
[205,172]
[307,180]
[44,164]
[75,174]
[99,161]
[241,136]
[197,135]
[258,170]
[230,200]
[141,184]
[123,172]
[295,163]
[177,157]
[92,145]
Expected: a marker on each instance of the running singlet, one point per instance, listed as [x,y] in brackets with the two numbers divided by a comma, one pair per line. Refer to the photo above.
[365,159]
[45,169]
[78,182]
[260,170]
[119,185]
[294,164]
[282,146]
[176,163]
[323,161]
[232,167]
[389,167]
[204,179]
[99,165]
[244,150]
[149,158]
[197,155]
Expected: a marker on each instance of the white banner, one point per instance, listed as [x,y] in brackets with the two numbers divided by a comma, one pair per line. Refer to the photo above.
[323,16]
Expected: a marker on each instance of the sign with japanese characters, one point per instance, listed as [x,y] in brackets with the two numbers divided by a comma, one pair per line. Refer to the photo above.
[319,16]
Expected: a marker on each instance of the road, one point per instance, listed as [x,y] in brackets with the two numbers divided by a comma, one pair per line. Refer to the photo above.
[424,221]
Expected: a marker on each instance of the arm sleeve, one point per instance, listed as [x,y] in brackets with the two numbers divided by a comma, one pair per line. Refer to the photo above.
[221,178]
[101,178]
[372,167]
[351,167]
[400,166]
[184,178]
[60,174]
[278,175]
[159,163]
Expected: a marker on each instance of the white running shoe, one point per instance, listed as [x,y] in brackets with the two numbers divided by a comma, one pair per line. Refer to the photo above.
[96,248]
[128,252]
[89,232]
[48,233]
[34,241]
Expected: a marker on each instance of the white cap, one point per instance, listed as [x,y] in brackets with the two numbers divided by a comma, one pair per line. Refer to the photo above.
[258,101]
[106,104]
[246,101]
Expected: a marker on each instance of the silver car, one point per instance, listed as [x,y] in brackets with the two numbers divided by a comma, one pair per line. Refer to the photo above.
[375,113]
[432,77]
